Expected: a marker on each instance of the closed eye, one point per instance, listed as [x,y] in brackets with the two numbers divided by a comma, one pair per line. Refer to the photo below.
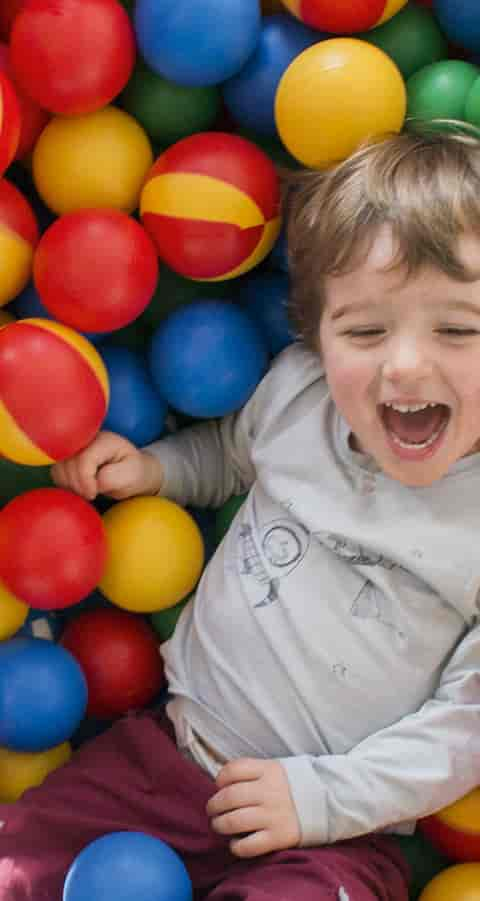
[458,332]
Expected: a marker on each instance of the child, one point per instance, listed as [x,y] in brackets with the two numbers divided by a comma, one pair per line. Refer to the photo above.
[325,681]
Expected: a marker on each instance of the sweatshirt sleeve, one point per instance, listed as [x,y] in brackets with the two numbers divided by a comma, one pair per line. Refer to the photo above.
[414,767]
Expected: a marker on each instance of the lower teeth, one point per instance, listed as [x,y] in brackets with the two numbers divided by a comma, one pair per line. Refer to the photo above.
[427,443]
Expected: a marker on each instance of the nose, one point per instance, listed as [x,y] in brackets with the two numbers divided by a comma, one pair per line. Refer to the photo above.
[407,361]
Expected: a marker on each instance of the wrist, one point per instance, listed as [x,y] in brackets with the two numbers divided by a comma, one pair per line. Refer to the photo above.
[154,477]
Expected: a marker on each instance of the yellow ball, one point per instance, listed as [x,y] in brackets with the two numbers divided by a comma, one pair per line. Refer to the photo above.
[20,770]
[333,96]
[458,883]
[97,160]
[13,613]
[155,554]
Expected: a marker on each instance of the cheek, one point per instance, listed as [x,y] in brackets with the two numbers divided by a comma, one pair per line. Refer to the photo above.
[347,376]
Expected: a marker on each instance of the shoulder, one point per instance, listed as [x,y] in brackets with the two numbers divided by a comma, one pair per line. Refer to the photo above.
[295,369]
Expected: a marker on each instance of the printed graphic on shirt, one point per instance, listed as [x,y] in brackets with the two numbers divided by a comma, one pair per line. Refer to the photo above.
[283,544]
[371,603]
[352,551]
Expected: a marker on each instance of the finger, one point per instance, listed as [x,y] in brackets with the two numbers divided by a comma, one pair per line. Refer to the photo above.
[253,845]
[247,819]
[114,479]
[241,770]
[239,794]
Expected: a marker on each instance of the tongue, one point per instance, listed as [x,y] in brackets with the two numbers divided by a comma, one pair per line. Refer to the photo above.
[414,428]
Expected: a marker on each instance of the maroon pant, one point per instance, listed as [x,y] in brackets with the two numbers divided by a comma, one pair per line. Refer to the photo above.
[133,778]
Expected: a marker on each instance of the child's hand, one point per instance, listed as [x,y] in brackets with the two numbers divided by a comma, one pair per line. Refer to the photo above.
[109,465]
[254,797]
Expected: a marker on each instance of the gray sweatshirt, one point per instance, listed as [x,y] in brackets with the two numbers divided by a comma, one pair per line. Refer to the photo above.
[336,627]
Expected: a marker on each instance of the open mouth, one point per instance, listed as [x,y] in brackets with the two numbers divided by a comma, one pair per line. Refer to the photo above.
[415,428]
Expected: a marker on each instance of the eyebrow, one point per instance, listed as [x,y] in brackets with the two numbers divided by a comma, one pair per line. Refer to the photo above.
[460,305]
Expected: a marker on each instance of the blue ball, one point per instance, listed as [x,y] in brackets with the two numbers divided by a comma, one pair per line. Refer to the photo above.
[207,358]
[43,694]
[265,299]
[278,258]
[197,43]
[460,21]
[127,866]
[41,624]
[250,94]
[135,409]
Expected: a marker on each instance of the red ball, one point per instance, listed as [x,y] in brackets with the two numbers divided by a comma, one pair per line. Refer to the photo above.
[95,270]
[10,122]
[33,118]
[72,56]
[118,653]
[53,548]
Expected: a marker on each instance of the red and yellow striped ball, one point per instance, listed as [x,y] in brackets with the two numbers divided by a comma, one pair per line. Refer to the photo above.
[344,16]
[211,204]
[19,236]
[54,392]
[10,122]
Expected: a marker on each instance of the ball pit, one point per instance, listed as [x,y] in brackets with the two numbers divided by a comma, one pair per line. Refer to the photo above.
[222,75]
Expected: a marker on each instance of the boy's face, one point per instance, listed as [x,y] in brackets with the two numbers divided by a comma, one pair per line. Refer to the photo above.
[387,340]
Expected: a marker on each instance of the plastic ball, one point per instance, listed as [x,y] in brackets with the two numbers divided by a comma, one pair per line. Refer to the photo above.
[20,770]
[43,694]
[197,43]
[13,613]
[343,16]
[127,866]
[265,298]
[120,659]
[27,305]
[41,624]
[442,90]
[335,95]
[455,830]
[52,548]
[155,554]
[95,270]
[211,204]
[413,39]
[460,21]
[18,238]
[98,160]
[207,358]
[33,118]
[250,94]
[461,882]
[136,409]
[10,122]
[72,56]
[164,621]
[169,111]
[43,366]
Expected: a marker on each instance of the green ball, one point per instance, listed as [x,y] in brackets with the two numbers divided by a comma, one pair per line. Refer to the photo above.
[278,154]
[164,621]
[16,478]
[424,861]
[440,90]
[472,105]
[225,515]
[169,111]
[412,38]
